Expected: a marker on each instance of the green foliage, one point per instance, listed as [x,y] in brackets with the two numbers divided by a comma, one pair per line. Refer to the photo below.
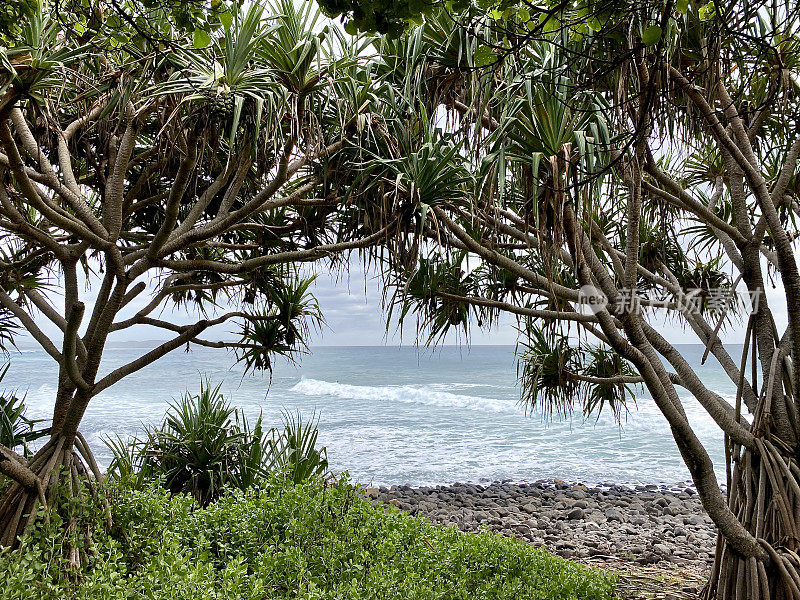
[711,286]
[205,446]
[432,174]
[295,452]
[285,541]
[129,22]
[293,46]
[218,76]
[556,376]
[8,328]
[377,15]
[546,364]
[16,430]
[197,447]
[423,295]
[13,13]
[603,364]
[281,328]
[484,56]
[651,35]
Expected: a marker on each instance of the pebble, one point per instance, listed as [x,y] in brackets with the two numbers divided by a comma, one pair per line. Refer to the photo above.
[575,513]
[645,524]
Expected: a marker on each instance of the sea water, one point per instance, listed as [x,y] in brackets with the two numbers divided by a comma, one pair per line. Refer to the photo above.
[401,415]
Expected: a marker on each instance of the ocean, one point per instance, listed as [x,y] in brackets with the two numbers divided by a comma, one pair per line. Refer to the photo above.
[401,415]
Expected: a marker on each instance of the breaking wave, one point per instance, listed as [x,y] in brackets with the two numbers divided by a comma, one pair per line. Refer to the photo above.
[407,394]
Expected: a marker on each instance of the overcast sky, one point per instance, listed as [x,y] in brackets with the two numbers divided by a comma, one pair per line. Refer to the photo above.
[352,307]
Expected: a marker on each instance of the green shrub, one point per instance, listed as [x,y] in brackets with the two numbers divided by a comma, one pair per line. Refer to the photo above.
[204,446]
[197,448]
[16,430]
[282,540]
[295,450]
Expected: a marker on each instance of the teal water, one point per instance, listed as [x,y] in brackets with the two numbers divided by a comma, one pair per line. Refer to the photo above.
[393,415]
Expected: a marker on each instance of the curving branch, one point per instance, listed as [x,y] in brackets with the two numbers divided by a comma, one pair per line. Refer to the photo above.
[14,466]
[552,315]
[28,323]
[146,359]
[74,319]
[499,260]
[251,264]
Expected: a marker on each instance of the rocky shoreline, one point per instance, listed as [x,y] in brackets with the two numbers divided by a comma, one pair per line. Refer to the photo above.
[641,525]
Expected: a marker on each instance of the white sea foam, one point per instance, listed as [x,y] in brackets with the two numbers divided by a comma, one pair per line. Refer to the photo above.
[408,394]
[451,417]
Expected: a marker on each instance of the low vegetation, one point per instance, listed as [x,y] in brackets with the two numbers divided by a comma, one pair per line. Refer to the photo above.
[206,506]
[16,429]
[286,540]
[205,445]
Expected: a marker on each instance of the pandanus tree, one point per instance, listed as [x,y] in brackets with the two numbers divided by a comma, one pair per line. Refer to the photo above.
[164,155]
[641,156]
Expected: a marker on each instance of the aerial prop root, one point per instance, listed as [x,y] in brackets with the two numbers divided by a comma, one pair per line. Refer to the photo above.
[60,468]
[764,494]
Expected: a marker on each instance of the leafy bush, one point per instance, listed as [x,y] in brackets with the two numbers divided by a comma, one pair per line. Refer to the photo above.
[198,446]
[204,445]
[282,540]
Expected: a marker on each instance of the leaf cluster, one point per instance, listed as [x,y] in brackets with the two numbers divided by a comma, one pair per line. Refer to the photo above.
[205,446]
[17,430]
[557,377]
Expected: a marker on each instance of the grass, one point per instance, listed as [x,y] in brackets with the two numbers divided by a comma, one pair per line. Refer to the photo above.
[655,582]
[281,540]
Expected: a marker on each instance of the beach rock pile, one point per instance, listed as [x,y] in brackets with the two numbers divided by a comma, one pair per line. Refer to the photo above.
[641,525]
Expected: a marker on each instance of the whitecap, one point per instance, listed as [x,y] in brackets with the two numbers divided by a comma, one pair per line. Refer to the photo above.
[408,394]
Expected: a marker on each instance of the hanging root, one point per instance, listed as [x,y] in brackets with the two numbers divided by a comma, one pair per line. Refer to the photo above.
[764,494]
[60,468]
[86,454]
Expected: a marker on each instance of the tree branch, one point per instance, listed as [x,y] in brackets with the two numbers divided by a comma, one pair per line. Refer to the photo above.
[150,357]
[30,325]
[273,259]
[14,466]
[520,310]
[70,336]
